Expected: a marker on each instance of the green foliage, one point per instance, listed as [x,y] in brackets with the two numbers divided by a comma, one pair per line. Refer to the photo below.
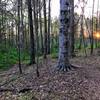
[54,51]
[98,45]
[54,55]
[9,56]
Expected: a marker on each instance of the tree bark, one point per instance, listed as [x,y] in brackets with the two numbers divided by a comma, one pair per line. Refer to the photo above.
[92,38]
[32,44]
[40,25]
[22,24]
[49,25]
[45,29]
[71,50]
[19,38]
[65,14]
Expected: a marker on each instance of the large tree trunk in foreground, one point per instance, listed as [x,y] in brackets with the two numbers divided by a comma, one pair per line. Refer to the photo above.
[65,12]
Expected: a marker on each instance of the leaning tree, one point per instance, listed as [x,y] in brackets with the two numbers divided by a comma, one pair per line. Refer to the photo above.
[64,31]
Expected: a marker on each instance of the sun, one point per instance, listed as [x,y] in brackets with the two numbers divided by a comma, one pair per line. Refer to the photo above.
[97,35]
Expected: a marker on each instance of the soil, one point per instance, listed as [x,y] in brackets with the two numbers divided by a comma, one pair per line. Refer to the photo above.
[82,83]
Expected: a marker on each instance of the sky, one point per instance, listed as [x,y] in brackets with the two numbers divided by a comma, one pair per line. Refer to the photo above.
[55,6]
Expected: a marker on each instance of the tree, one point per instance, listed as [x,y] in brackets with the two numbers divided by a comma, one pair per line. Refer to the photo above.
[92,38]
[45,29]
[19,38]
[49,25]
[0,22]
[71,50]
[65,14]
[32,44]
[22,26]
[40,26]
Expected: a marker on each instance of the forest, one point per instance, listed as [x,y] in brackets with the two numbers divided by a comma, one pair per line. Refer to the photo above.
[48,57]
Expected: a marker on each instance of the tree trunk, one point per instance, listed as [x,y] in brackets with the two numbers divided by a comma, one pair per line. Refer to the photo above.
[0,24]
[40,26]
[71,50]
[12,35]
[32,44]
[65,14]
[92,38]
[22,25]
[36,27]
[19,38]
[45,29]
[49,21]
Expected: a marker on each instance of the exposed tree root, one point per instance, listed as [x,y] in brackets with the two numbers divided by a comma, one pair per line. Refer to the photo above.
[66,67]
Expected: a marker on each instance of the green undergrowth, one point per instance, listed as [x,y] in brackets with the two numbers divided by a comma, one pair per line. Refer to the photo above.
[9,56]
[54,52]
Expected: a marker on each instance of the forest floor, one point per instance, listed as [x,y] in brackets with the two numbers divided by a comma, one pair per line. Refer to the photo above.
[82,83]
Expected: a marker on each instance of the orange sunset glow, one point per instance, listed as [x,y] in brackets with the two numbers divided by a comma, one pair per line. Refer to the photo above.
[96,35]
